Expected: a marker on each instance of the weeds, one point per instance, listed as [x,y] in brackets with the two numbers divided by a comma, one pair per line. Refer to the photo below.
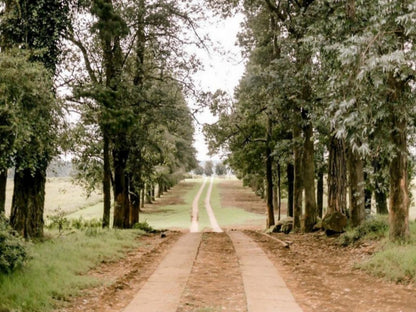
[374,228]
[56,270]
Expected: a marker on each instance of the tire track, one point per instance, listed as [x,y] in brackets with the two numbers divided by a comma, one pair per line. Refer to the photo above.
[194,213]
[212,219]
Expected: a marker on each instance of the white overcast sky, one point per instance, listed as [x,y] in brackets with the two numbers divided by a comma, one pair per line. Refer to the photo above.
[220,71]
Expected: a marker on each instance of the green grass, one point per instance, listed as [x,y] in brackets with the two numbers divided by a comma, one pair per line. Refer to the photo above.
[229,216]
[57,266]
[178,216]
[395,261]
[174,216]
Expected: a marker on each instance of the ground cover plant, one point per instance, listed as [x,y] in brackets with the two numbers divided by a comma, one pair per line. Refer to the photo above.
[57,266]
[395,262]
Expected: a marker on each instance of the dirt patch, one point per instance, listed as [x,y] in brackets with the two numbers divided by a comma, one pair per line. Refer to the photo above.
[173,197]
[322,277]
[234,194]
[215,283]
[122,279]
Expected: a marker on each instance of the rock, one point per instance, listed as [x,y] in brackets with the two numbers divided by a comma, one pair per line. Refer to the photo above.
[318,225]
[285,225]
[162,235]
[334,222]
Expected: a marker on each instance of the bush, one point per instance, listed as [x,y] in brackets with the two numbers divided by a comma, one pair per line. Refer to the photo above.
[373,228]
[12,248]
[144,226]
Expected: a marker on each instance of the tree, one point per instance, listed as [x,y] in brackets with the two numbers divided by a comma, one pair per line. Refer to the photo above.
[138,46]
[220,169]
[35,26]
[209,168]
[27,95]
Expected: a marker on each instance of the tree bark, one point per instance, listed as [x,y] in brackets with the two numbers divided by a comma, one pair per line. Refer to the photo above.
[28,203]
[142,192]
[381,203]
[279,188]
[298,182]
[3,184]
[269,177]
[134,202]
[380,193]
[337,176]
[320,194]
[106,183]
[357,198]
[399,185]
[290,181]
[309,176]
[121,198]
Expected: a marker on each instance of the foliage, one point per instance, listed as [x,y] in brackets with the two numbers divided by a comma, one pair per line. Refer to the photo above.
[220,169]
[375,227]
[145,227]
[13,250]
[60,265]
[395,262]
[209,168]
[33,112]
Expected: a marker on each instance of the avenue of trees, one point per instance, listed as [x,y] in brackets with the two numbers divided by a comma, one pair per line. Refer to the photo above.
[328,91]
[105,81]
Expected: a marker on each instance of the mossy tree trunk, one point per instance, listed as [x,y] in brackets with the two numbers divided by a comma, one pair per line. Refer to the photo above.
[28,202]
[357,198]
[337,176]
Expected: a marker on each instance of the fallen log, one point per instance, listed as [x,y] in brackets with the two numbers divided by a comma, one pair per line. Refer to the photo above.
[284,244]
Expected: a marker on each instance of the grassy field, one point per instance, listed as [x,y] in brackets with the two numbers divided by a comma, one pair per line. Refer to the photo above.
[60,194]
[55,271]
[178,216]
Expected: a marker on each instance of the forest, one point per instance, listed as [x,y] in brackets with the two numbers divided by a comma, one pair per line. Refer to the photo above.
[327,96]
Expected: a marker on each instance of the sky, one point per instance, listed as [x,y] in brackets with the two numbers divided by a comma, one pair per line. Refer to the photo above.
[221,70]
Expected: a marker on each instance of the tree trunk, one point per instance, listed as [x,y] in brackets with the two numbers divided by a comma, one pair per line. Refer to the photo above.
[357,199]
[143,190]
[290,180]
[153,192]
[135,204]
[298,183]
[380,188]
[121,199]
[320,194]
[399,185]
[106,183]
[337,176]
[309,176]
[28,203]
[381,203]
[269,177]
[3,184]
[279,188]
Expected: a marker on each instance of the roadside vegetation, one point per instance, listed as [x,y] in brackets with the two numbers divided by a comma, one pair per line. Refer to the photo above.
[55,269]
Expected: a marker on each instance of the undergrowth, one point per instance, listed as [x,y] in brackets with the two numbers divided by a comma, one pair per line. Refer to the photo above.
[374,228]
[395,262]
[56,270]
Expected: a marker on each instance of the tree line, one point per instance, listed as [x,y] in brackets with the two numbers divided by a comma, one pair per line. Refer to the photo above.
[328,91]
[105,81]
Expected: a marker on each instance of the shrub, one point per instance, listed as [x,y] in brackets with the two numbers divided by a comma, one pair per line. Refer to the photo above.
[58,220]
[144,226]
[373,228]
[12,248]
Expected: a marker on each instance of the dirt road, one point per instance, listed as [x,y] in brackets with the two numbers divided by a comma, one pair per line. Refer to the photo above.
[243,271]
